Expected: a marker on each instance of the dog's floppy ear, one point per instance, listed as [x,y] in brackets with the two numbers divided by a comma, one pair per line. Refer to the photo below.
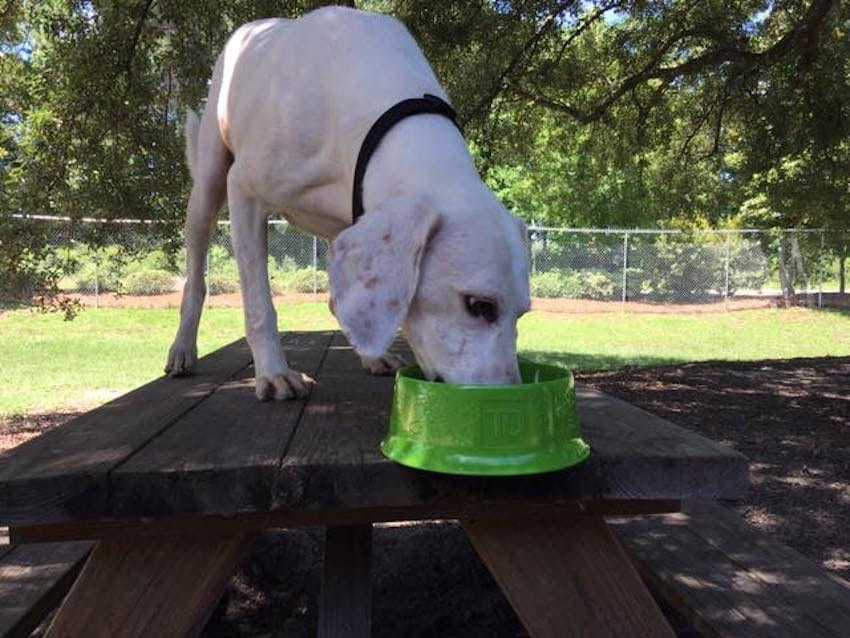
[374,271]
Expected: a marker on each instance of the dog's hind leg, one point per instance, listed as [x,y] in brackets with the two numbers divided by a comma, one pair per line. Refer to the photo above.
[209,161]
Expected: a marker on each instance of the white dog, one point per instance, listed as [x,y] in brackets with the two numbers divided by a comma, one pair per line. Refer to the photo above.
[435,254]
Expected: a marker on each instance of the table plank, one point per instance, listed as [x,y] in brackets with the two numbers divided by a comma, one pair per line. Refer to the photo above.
[223,456]
[346,601]
[33,580]
[136,588]
[179,447]
[62,474]
[730,580]
[568,577]
[334,460]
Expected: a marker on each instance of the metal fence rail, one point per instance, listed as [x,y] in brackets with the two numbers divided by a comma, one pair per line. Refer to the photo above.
[660,267]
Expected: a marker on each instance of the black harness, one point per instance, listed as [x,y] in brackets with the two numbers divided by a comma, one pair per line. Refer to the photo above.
[392,116]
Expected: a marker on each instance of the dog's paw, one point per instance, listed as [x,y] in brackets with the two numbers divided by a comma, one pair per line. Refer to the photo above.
[280,387]
[383,366]
[181,359]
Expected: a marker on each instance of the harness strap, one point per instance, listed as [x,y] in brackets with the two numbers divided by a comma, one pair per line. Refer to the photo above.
[392,116]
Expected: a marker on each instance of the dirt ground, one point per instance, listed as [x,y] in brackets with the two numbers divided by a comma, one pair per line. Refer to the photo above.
[790,418]
[565,306]
[172,300]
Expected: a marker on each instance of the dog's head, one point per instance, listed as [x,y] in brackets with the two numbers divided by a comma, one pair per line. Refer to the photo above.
[455,283]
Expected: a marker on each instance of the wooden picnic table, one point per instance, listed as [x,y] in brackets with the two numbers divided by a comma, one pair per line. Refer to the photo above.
[175,480]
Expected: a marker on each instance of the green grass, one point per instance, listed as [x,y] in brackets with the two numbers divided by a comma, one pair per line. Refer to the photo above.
[49,364]
[597,342]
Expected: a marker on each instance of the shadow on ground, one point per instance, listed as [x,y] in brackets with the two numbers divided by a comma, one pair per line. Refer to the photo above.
[790,418]
[427,581]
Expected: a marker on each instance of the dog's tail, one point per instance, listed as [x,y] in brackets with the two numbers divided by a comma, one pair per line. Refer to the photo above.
[193,123]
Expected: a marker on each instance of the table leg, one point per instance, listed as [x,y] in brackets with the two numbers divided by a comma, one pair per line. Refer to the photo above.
[568,577]
[346,603]
[149,587]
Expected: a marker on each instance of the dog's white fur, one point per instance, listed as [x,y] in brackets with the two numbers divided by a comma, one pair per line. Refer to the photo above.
[289,105]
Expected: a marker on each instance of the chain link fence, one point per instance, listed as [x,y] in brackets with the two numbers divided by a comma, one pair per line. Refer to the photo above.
[675,267]
[627,269]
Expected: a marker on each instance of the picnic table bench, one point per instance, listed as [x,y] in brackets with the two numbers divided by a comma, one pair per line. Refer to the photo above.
[175,479]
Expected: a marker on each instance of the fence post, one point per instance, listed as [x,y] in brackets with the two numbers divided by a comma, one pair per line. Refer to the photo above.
[531,256]
[315,265]
[625,266]
[96,284]
[726,272]
[821,270]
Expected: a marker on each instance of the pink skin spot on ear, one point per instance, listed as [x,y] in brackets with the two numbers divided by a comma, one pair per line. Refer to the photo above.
[387,237]
[370,283]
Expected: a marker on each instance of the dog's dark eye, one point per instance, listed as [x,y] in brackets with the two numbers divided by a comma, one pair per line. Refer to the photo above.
[484,308]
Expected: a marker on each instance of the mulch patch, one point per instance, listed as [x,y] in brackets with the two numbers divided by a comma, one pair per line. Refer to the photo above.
[17,429]
[790,418]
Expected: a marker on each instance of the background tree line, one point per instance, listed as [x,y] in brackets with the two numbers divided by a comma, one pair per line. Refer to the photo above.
[673,113]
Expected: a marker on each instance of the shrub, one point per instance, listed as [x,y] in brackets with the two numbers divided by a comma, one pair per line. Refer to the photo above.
[302,280]
[578,284]
[222,284]
[88,266]
[222,262]
[547,284]
[598,285]
[287,264]
[148,282]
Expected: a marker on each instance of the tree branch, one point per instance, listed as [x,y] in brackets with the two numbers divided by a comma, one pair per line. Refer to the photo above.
[801,37]
[594,17]
[529,46]
[137,34]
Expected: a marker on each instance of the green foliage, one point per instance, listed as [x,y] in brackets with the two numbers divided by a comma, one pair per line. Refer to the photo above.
[548,285]
[303,280]
[222,284]
[96,268]
[147,282]
[578,113]
[577,284]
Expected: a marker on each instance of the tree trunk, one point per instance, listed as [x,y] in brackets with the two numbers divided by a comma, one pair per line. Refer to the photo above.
[800,269]
[786,279]
[841,268]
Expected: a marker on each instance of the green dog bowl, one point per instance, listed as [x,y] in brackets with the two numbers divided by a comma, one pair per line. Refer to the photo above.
[489,430]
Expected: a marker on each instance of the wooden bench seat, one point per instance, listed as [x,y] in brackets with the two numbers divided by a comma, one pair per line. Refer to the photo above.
[730,581]
[33,580]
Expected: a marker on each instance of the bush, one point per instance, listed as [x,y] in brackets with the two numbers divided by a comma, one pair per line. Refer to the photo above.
[579,284]
[107,279]
[548,285]
[222,284]
[88,266]
[598,285]
[222,262]
[148,282]
[301,280]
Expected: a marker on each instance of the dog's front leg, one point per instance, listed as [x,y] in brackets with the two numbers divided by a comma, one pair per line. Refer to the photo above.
[249,227]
